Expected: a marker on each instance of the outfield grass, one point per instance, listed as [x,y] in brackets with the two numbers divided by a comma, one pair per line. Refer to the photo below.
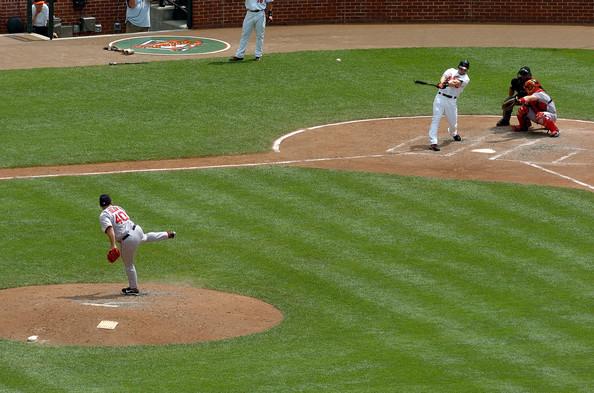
[387,283]
[213,107]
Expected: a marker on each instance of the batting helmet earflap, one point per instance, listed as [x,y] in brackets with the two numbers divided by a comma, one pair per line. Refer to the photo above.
[525,71]
[104,200]
[464,64]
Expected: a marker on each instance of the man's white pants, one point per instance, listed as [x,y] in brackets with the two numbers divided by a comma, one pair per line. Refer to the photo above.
[443,105]
[252,20]
[129,247]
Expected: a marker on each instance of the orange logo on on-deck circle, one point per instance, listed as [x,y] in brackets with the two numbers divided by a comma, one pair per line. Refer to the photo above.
[173,45]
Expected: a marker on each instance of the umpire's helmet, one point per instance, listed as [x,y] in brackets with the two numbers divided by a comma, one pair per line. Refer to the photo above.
[525,71]
[104,200]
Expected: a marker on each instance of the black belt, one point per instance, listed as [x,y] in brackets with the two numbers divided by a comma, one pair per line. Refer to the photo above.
[446,95]
[255,10]
[128,234]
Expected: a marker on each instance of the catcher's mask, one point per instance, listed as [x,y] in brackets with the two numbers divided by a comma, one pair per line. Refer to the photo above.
[104,200]
[531,86]
[525,72]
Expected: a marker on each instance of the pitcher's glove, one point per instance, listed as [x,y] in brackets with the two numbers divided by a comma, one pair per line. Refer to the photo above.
[509,103]
[113,255]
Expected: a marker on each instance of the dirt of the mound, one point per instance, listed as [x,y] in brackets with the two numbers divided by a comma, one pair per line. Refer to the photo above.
[69,314]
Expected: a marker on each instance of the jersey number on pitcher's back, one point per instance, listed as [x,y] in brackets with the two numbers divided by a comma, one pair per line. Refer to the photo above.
[119,215]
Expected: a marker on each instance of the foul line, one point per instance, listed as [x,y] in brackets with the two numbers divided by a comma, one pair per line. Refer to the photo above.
[581,183]
[190,168]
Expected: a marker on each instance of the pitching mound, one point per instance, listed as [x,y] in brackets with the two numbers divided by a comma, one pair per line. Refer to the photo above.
[163,314]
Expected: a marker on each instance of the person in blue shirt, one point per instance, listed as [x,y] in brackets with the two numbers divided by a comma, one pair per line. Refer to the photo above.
[138,16]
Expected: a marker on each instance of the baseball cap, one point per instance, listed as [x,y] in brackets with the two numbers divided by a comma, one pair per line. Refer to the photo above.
[104,200]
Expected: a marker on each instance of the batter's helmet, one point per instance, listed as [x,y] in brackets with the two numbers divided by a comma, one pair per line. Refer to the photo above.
[464,64]
[104,200]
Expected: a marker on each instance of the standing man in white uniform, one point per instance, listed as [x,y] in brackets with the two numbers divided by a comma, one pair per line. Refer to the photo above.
[119,228]
[138,16]
[452,83]
[255,18]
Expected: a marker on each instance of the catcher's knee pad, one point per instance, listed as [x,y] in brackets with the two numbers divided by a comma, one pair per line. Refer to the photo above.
[523,111]
[546,121]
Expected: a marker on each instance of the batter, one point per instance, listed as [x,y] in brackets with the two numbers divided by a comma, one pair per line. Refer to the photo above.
[452,83]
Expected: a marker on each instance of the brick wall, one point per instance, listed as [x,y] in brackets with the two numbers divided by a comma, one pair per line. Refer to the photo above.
[226,13]
[229,13]
[106,12]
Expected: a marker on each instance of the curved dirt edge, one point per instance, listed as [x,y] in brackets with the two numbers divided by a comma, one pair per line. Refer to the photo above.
[69,314]
[363,144]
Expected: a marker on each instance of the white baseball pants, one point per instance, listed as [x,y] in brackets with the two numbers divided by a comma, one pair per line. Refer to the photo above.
[441,105]
[129,246]
[252,20]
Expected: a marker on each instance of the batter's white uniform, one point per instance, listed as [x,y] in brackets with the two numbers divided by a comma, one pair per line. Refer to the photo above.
[255,18]
[446,102]
[129,235]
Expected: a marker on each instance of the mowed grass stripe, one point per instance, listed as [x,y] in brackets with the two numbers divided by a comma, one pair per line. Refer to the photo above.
[375,289]
[325,232]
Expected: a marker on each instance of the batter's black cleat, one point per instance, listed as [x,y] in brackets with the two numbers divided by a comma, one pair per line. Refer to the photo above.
[235,58]
[130,291]
[434,147]
[170,234]
[457,138]
[502,123]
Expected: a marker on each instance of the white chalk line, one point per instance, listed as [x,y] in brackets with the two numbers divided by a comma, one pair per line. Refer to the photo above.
[408,142]
[581,183]
[512,149]
[573,153]
[190,168]
[101,305]
[474,142]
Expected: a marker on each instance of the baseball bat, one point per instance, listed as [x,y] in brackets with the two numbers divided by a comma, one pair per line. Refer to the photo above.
[126,51]
[429,84]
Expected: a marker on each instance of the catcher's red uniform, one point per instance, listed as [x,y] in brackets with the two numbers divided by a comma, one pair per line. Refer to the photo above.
[539,107]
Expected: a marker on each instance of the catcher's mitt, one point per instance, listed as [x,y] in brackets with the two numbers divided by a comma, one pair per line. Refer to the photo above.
[509,103]
[113,255]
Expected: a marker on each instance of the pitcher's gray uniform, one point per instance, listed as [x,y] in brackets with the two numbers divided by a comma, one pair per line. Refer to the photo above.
[118,227]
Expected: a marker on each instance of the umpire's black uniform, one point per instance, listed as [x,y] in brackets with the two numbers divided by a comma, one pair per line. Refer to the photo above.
[516,88]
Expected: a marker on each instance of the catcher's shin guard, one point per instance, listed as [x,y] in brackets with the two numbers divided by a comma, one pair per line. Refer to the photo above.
[547,123]
[523,121]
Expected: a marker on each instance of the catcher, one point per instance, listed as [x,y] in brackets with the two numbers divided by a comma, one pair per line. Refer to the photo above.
[516,89]
[537,106]
[119,228]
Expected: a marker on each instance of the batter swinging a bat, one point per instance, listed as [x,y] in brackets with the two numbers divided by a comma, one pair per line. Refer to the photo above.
[452,83]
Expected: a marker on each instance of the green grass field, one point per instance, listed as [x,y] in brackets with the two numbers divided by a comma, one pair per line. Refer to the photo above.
[387,283]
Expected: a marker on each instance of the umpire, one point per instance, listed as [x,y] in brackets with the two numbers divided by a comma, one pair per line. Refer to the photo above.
[516,88]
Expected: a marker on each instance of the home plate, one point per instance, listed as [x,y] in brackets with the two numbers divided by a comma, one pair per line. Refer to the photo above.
[107,325]
[486,151]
